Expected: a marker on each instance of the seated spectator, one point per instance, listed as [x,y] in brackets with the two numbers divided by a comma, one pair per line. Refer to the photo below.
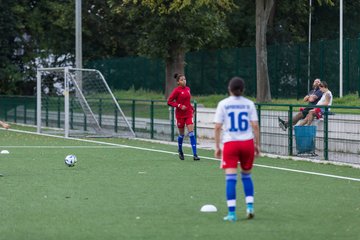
[326,100]
[312,98]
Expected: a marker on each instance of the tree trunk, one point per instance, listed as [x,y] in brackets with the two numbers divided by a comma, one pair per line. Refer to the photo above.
[263,9]
[174,64]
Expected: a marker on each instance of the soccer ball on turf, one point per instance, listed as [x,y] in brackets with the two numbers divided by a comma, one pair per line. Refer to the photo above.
[70,160]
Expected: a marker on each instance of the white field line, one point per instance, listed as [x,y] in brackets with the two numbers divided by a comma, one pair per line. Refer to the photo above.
[114,145]
[54,147]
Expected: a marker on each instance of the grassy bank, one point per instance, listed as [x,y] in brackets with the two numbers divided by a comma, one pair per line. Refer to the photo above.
[211,101]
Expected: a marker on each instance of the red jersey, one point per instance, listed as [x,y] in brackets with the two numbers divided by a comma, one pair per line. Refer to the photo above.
[181,96]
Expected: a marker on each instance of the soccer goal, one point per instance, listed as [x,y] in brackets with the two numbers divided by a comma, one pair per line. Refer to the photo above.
[78,102]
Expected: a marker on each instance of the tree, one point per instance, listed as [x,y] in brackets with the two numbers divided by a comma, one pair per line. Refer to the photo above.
[9,30]
[241,24]
[169,29]
[105,34]
[263,9]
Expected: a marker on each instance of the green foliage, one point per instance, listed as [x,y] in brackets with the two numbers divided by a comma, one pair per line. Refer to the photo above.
[32,31]
[164,27]
[241,24]
[348,100]
[326,20]
[9,69]
[328,2]
[166,7]
[211,101]
[142,94]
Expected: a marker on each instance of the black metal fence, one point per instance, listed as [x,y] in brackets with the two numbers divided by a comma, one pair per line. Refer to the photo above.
[337,136]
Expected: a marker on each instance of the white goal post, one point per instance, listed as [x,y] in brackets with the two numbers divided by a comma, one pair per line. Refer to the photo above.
[78,102]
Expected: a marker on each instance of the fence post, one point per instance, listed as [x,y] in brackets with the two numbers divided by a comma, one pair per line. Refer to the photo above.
[58,112]
[326,134]
[152,119]
[47,111]
[172,124]
[259,115]
[25,109]
[290,131]
[195,119]
[35,113]
[72,113]
[3,107]
[100,112]
[15,110]
[85,122]
[5,112]
[133,114]
[116,119]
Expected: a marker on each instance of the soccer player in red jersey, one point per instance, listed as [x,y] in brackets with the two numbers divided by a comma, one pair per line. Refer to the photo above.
[180,100]
[240,144]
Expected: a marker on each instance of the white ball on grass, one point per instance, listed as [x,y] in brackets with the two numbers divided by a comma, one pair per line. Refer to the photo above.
[70,160]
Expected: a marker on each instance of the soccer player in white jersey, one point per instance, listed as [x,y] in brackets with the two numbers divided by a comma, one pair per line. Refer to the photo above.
[237,117]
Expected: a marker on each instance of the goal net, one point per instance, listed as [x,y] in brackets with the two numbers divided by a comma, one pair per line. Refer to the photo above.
[78,102]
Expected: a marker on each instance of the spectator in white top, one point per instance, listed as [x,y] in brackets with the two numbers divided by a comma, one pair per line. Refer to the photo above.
[326,100]
[313,97]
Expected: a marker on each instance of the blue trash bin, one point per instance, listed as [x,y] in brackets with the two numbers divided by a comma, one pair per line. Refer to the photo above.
[305,139]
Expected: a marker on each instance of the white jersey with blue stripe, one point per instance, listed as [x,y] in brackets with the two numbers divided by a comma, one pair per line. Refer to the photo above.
[235,113]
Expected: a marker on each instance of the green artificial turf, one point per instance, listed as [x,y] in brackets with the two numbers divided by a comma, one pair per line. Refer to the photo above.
[145,192]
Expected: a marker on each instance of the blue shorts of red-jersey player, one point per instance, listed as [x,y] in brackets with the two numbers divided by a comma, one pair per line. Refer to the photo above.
[180,122]
[238,151]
